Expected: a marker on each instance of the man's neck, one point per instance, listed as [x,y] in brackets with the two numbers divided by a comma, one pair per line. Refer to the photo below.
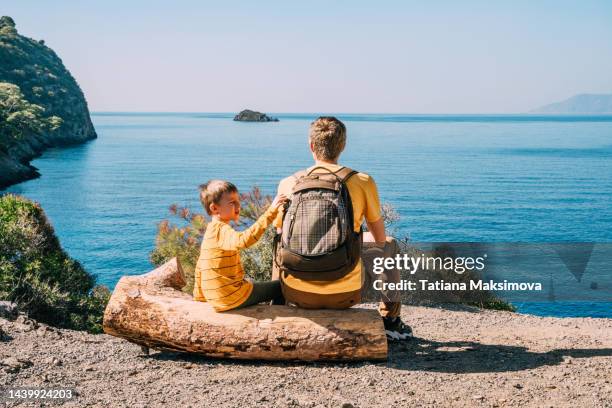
[324,162]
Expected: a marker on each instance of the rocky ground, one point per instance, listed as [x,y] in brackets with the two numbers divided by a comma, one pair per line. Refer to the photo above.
[464,357]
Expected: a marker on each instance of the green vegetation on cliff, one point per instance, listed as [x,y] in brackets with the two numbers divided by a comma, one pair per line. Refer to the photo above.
[39,276]
[19,118]
[41,105]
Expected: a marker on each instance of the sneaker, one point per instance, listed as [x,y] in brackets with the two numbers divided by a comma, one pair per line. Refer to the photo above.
[279,300]
[396,329]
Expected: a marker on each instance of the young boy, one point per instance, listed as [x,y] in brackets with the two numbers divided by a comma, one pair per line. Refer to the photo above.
[219,277]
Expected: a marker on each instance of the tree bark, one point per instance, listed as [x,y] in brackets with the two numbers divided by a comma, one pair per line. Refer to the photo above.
[150,310]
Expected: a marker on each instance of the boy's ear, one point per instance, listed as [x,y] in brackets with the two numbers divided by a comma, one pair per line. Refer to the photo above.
[213,208]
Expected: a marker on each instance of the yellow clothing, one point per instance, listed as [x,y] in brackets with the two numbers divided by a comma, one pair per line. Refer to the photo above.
[366,204]
[219,277]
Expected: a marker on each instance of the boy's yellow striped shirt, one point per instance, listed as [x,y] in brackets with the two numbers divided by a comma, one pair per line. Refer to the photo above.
[219,277]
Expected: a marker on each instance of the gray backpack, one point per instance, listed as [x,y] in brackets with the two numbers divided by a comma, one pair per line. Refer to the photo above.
[318,241]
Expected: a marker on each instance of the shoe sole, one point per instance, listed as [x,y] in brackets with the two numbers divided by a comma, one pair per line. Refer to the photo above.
[396,336]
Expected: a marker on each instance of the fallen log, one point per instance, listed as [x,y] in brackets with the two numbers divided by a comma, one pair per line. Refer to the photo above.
[152,311]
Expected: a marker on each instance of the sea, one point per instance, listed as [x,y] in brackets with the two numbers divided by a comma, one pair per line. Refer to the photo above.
[450,178]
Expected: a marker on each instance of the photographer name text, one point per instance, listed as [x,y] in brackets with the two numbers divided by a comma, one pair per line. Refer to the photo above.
[458,265]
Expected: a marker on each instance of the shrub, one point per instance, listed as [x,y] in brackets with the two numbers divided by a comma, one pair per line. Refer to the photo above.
[39,276]
[181,241]
[184,240]
[257,260]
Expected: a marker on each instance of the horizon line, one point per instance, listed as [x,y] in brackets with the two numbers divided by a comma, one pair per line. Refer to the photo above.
[94,112]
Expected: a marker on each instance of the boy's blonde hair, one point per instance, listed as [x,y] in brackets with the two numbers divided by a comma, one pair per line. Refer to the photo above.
[212,191]
[328,137]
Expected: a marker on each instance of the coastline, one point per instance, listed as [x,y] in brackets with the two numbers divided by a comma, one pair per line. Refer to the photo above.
[15,171]
[16,167]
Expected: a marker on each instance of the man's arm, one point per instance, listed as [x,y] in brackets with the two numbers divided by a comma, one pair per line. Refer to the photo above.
[373,211]
[377,230]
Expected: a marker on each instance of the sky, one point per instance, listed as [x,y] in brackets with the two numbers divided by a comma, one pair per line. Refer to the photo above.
[326,56]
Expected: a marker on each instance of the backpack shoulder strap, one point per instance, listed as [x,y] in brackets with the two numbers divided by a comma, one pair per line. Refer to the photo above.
[299,174]
[342,174]
[345,173]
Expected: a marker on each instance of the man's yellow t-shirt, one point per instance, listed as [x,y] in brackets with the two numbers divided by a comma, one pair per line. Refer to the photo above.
[366,204]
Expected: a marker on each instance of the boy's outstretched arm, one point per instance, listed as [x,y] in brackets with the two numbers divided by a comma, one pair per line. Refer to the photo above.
[229,239]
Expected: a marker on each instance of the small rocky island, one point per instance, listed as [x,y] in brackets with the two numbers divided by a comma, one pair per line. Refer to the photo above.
[248,115]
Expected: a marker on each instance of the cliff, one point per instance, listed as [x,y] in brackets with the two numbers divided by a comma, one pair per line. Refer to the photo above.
[580,104]
[41,104]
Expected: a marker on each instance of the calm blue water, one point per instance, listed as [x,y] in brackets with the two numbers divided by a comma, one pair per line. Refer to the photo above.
[451,178]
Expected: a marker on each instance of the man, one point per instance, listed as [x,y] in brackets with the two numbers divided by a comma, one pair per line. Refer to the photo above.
[327,139]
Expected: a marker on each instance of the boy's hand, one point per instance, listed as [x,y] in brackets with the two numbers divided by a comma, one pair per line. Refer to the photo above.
[279,201]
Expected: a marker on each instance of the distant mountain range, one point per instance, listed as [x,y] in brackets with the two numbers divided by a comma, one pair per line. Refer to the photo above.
[580,104]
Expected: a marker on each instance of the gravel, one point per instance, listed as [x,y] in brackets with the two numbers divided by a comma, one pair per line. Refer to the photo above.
[461,357]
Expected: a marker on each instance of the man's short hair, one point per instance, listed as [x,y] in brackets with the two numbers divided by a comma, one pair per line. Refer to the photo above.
[212,191]
[328,137]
